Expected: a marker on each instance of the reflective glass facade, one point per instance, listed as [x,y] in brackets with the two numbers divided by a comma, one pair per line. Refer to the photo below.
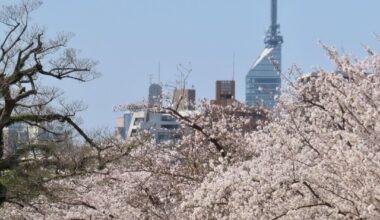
[263,81]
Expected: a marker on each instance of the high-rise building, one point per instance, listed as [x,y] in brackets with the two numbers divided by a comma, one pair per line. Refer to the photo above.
[14,136]
[225,93]
[19,135]
[263,81]
[225,89]
[184,99]
[155,95]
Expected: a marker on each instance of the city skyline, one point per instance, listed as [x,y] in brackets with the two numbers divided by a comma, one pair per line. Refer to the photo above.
[130,40]
[205,109]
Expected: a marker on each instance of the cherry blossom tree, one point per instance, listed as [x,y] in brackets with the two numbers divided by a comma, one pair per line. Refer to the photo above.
[28,57]
[314,157]
[317,159]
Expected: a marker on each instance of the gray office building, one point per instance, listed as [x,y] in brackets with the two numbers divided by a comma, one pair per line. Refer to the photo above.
[155,95]
[263,81]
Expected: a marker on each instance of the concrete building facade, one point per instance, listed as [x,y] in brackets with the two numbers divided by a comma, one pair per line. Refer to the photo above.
[162,126]
[184,99]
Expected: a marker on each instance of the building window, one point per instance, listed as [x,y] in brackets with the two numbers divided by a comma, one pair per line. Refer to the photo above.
[169,127]
[167,118]
[268,80]
[133,132]
[138,121]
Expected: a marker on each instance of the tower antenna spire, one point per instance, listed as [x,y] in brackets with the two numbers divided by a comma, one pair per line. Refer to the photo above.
[150,79]
[273,37]
[274,17]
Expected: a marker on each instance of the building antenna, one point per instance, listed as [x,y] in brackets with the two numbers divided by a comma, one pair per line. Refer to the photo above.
[233,67]
[159,72]
[274,26]
[150,79]
[273,37]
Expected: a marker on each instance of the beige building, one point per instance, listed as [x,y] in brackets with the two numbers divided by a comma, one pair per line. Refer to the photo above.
[225,93]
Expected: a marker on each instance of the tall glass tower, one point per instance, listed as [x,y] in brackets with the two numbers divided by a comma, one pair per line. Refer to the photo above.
[263,81]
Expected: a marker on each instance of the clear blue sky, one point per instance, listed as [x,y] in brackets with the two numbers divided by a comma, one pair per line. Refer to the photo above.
[130,37]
